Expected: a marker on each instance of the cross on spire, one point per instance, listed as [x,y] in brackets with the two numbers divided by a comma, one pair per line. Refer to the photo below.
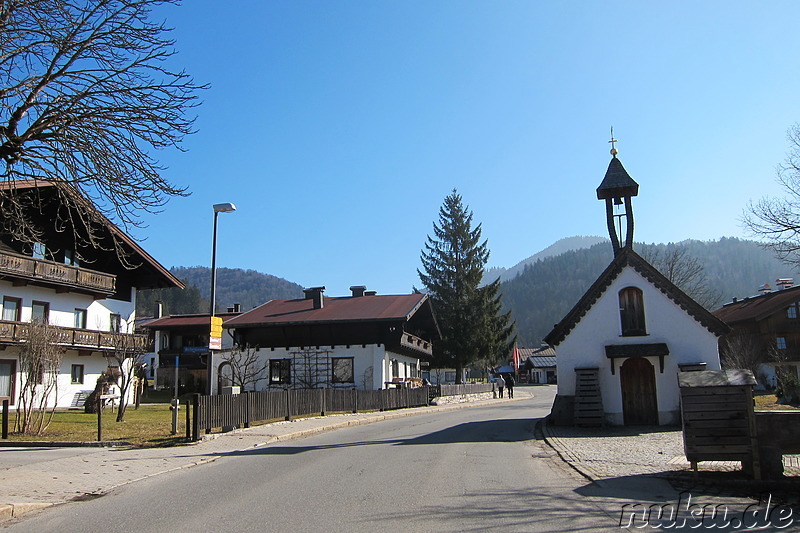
[614,150]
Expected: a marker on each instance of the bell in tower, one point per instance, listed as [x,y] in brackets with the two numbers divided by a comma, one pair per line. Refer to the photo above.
[617,189]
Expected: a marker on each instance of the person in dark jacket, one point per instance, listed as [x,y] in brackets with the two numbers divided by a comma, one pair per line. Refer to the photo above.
[510,385]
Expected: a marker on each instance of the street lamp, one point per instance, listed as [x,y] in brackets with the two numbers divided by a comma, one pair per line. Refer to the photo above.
[218,208]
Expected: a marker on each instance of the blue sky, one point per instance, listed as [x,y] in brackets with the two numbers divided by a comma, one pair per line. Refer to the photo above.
[337,128]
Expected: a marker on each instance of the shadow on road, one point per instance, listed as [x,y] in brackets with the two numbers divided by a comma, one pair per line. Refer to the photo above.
[504,430]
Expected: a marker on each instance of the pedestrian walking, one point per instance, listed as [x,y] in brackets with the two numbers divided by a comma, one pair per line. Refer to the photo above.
[510,385]
[501,383]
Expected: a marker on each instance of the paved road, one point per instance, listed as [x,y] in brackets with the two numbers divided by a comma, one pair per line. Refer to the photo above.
[466,470]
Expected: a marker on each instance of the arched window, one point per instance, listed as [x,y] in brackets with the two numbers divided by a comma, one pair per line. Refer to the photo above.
[631,312]
[224,376]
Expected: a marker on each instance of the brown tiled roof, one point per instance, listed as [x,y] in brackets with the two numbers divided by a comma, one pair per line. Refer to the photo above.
[540,351]
[627,257]
[334,309]
[758,307]
[164,278]
[180,321]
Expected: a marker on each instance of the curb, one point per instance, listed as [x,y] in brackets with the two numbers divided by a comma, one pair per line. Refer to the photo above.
[14,510]
[566,455]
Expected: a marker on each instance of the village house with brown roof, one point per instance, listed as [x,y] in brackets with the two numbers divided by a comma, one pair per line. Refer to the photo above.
[365,341]
[84,290]
[768,324]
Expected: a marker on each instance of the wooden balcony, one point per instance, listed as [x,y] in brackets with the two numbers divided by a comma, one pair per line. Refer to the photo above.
[57,274]
[416,344]
[76,339]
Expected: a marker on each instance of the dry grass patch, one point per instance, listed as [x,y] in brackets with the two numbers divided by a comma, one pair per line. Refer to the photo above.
[150,425]
[769,402]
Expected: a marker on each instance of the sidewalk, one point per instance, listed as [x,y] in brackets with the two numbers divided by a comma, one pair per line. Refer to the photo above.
[38,485]
[606,454]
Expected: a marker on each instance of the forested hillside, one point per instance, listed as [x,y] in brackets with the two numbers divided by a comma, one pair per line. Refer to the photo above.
[234,285]
[546,290]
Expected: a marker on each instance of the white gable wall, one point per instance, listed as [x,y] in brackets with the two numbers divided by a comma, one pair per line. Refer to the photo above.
[666,322]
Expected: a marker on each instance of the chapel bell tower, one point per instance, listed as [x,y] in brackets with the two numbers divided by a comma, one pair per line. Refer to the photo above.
[617,189]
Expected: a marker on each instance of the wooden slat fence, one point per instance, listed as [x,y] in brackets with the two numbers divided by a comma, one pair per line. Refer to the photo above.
[240,410]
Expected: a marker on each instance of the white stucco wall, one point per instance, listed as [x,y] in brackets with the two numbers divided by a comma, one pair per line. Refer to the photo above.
[62,313]
[666,322]
[372,364]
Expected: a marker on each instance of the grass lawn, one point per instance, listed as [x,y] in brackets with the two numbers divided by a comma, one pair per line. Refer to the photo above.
[150,425]
[766,402]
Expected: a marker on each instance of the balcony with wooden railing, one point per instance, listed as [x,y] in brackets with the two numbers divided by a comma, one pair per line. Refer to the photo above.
[51,272]
[12,332]
[416,344]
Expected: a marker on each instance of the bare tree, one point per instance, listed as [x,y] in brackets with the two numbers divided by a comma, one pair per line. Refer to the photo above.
[40,361]
[247,369]
[685,271]
[743,350]
[777,220]
[86,91]
[122,360]
[311,368]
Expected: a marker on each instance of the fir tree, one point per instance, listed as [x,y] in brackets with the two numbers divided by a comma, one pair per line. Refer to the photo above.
[469,315]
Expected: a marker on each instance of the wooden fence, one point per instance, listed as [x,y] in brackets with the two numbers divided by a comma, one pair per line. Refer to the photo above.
[240,410]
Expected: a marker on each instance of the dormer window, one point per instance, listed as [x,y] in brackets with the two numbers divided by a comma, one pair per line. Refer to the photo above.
[631,312]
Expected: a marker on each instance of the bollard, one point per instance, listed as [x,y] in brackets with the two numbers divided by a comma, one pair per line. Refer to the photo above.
[99,417]
[188,423]
[5,418]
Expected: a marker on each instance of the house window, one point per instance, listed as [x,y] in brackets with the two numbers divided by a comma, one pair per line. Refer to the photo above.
[39,250]
[77,374]
[116,323]
[791,311]
[71,258]
[8,368]
[11,308]
[152,368]
[342,370]
[780,343]
[279,371]
[80,318]
[450,376]
[631,312]
[40,312]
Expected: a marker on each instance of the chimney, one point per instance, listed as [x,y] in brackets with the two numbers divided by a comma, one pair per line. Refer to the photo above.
[315,293]
[784,283]
[235,308]
[158,310]
[765,289]
[358,290]
[370,293]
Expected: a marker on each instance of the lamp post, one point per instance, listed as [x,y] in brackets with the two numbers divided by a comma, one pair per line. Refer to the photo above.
[218,208]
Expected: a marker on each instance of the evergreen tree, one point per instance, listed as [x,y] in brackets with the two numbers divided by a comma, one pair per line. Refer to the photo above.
[469,315]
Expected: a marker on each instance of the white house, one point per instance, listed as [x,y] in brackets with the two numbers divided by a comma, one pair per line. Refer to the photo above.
[620,348]
[365,340]
[82,291]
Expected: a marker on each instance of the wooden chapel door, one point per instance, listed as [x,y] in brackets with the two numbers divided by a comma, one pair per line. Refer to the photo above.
[639,403]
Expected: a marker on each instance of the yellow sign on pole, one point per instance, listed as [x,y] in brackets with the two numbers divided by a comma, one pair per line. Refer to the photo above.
[215,338]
